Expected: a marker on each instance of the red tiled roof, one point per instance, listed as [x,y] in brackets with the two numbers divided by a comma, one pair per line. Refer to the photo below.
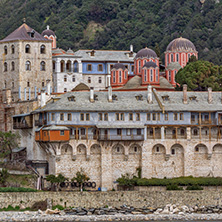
[22,33]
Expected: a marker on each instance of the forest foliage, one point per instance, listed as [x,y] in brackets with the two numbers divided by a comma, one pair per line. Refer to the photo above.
[115,24]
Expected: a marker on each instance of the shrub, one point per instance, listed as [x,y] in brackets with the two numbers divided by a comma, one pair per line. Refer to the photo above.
[59,207]
[194,187]
[173,187]
[16,189]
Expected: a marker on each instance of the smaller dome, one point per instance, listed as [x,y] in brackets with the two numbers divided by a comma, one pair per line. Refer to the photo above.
[119,66]
[69,51]
[48,32]
[146,53]
[181,44]
[173,66]
[150,64]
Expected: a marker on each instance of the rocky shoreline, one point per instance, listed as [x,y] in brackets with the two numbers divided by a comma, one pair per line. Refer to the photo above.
[170,212]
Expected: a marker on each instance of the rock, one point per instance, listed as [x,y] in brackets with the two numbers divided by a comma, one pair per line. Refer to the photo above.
[40,211]
[56,211]
[135,212]
[89,213]
[181,213]
[176,210]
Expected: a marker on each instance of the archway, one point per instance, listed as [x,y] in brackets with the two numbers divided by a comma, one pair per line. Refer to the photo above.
[216,160]
[81,152]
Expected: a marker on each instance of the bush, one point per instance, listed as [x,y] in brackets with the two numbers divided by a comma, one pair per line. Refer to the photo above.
[173,187]
[59,207]
[194,187]
[16,189]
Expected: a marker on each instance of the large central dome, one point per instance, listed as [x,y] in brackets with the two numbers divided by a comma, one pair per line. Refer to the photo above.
[181,44]
[146,53]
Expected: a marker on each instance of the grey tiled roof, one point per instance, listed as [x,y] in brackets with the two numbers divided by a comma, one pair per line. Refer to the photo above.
[127,102]
[21,33]
[105,55]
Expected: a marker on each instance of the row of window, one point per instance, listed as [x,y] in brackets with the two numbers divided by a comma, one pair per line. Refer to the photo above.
[151,76]
[89,79]
[27,49]
[121,116]
[118,74]
[27,66]
[170,58]
[100,67]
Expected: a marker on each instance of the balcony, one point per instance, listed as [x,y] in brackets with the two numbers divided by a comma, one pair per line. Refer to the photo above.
[40,122]
[21,125]
[120,137]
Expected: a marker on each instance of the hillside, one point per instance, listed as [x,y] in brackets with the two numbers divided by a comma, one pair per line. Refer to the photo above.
[115,24]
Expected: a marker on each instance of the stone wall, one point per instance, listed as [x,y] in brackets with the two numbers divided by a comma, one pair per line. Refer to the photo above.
[114,199]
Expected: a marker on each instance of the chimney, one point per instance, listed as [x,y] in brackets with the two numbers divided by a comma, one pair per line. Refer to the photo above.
[210,100]
[131,48]
[91,99]
[110,94]
[149,94]
[42,99]
[185,94]
[48,86]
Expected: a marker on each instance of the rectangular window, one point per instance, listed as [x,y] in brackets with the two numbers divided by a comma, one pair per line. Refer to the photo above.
[65,78]
[126,66]
[111,67]
[181,116]
[83,131]
[166,117]
[52,116]
[148,116]
[82,116]
[62,116]
[89,79]
[138,131]
[89,67]
[65,89]
[100,67]
[100,115]
[137,116]
[100,80]
[132,68]
[117,116]
[62,132]
[119,132]
[154,116]
[106,116]
[87,117]
[192,117]
[175,116]
[73,78]
[131,116]
[206,117]
[122,116]
[69,117]
[158,116]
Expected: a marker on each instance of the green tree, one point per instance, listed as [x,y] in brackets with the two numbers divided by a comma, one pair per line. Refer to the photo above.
[81,178]
[8,141]
[3,176]
[55,180]
[199,76]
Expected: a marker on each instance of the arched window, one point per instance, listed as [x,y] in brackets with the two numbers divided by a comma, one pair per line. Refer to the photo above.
[171,57]
[195,132]
[76,66]
[5,50]
[126,72]
[139,64]
[157,76]
[114,76]
[145,75]
[151,75]
[28,66]
[188,55]
[27,48]
[5,67]
[13,49]
[177,57]
[169,76]
[120,76]
[168,59]
[73,78]
[13,66]
[42,66]
[65,78]
[62,66]
[42,49]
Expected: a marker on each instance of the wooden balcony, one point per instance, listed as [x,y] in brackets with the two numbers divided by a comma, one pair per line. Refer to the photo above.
[40,122]
[21,125]
[120,137]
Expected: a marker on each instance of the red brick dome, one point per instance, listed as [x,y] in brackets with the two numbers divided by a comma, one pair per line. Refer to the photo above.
[181,44]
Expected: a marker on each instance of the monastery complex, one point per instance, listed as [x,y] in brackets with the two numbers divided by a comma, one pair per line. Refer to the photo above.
[108,112]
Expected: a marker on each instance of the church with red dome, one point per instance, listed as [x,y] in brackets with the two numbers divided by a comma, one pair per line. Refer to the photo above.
[146,64]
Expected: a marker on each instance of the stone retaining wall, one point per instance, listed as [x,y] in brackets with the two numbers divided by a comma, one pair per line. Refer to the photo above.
[114,198]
